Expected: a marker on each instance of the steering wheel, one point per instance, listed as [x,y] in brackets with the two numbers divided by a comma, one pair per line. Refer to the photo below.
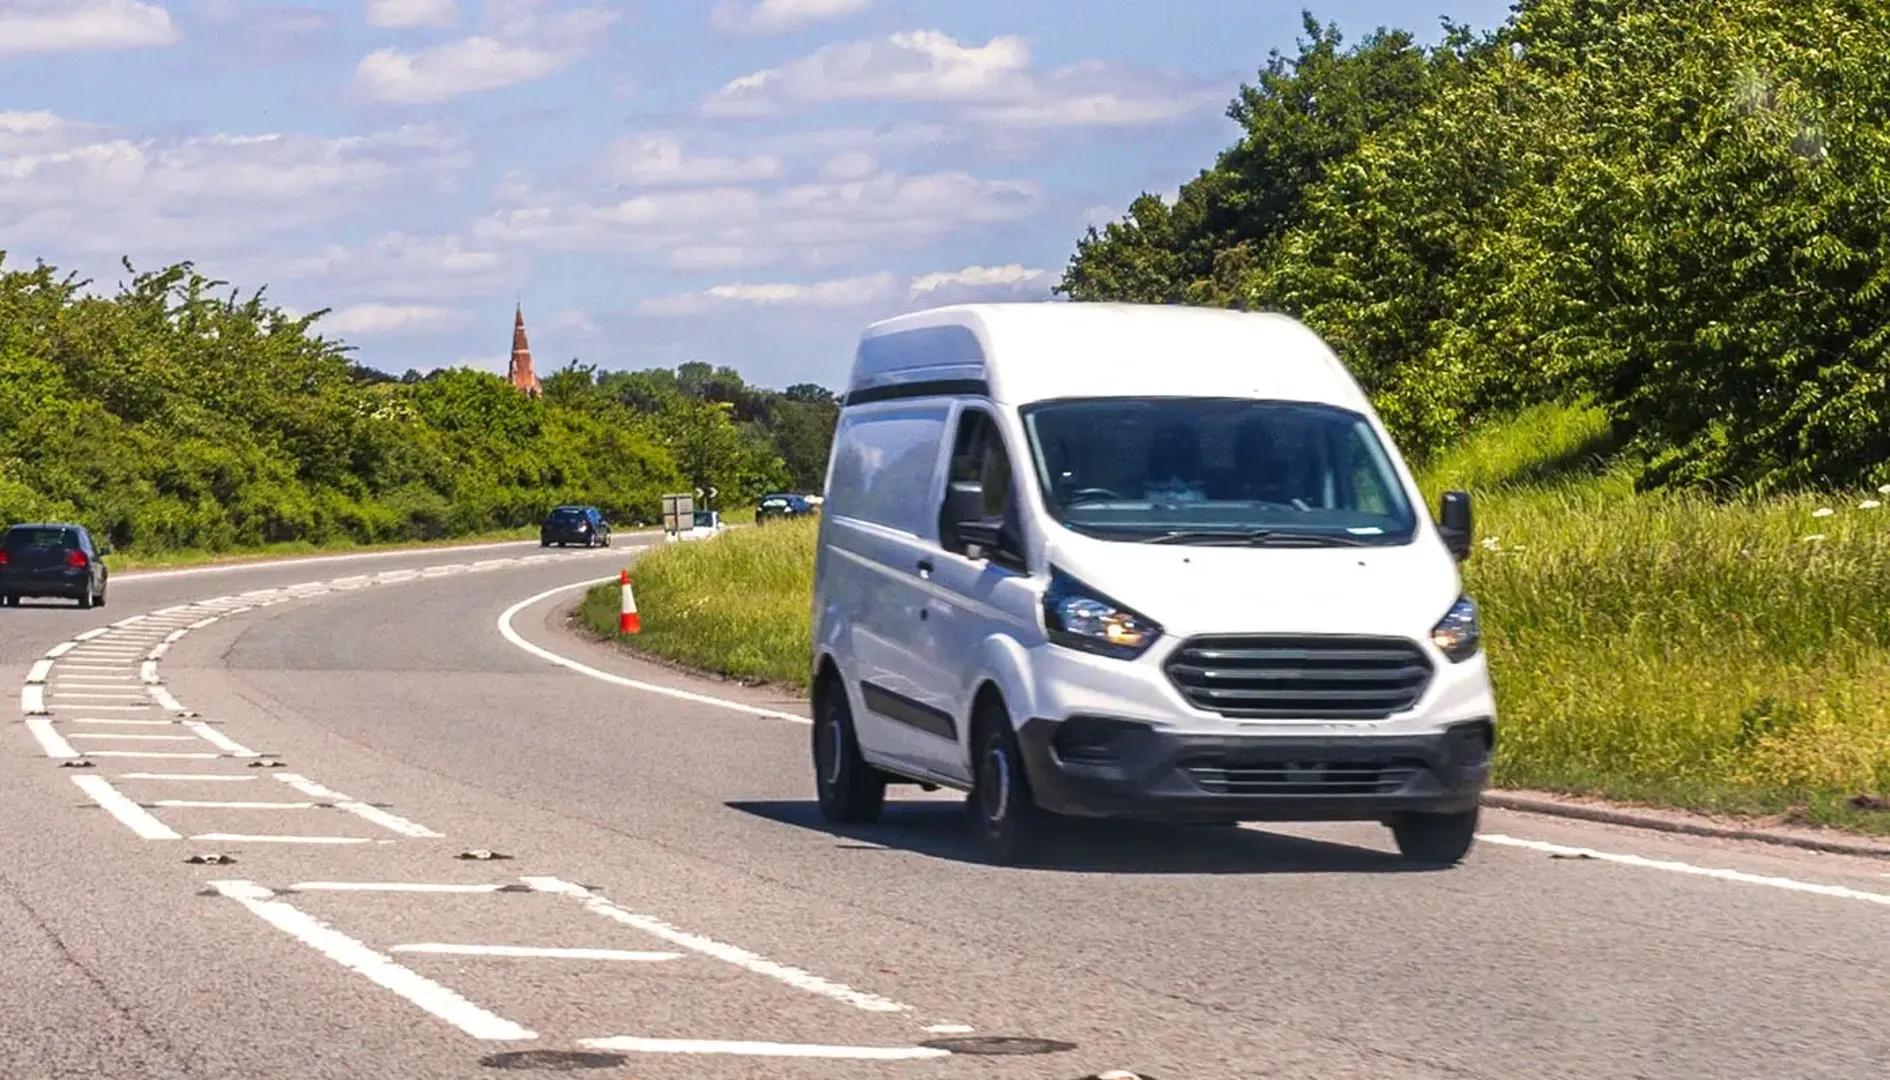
[1090,494]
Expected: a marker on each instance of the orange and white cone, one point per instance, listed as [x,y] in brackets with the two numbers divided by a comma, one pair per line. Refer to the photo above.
[628,622]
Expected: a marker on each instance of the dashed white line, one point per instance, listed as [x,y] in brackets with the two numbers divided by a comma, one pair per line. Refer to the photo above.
[38,672]
[390,822]
[163,699]
[121,723]
[49,738]
[193,778]
[731,954]
[219,740]
[61,649]
[148,672]
[129,814]
[389,886]
[127,737]
[252,838]
[536,951]
[202,804]
[33,699]
[635,1044]
[95,632]
[181,755]
[383,970]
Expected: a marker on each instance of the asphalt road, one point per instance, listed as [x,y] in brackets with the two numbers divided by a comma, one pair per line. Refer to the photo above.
[669,905]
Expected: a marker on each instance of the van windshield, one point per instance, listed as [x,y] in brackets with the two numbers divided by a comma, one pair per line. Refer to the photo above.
[1208,470]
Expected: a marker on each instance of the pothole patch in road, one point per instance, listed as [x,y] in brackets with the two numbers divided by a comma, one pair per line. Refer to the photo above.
[553,1060]
[999,1045]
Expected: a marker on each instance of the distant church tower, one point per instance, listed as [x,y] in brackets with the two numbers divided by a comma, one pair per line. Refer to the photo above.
[520,374]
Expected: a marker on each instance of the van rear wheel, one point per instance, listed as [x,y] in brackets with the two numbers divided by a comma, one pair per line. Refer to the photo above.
[852,792]
[1435,839]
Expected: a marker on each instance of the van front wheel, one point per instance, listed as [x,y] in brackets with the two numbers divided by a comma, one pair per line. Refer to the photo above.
[852,792]
[1011,825]
[1435,839]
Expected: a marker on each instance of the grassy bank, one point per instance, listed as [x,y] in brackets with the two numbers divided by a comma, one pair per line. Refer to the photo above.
[1723,657]
[171,560]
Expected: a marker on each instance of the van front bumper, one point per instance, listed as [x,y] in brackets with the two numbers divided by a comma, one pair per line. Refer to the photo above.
[1102,767]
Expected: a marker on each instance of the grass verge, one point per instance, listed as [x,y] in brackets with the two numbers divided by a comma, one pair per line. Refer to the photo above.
[1724,657]
[171,560]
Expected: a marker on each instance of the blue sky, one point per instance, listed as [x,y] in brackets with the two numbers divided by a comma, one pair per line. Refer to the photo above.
[745,182]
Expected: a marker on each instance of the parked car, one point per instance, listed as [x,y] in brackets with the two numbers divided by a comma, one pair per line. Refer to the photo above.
[574,525]
[782,508]
[1156,562]
[55,560]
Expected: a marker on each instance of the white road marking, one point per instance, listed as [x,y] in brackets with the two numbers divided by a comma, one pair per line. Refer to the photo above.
[194,778]
[356,957]
[741,958]
[219,740]
[513,636]
[247,838]
[148,672]
[535,951]
[125,737]
[638,1045]
[121,723]
[388,886]
[33,699]
[390,822]
[200,804]
[61,649]
[949,1029]
[49,738]
[131,620]
[176,636]
[162,697]
[157,651]
[1741,876]
[124,708]
[182,755]
[129,814]
[38,672]
[96,631]
[203,622]
[120,696]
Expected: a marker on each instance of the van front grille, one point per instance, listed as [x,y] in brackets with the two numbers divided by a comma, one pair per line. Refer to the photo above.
[1272,677]
[1223,775]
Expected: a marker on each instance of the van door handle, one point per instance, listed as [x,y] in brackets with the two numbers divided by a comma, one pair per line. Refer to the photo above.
[925,568]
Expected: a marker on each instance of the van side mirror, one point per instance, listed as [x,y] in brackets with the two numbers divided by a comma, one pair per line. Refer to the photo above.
[1456,524]
[962,525]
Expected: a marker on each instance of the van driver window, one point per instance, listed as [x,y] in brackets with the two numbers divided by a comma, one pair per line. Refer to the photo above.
[978,455]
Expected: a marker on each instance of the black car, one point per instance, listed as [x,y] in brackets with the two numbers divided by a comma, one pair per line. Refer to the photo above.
[574,525]
[52,560]
[782,508]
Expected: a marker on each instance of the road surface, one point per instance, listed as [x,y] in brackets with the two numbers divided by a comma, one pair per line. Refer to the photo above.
[341,743]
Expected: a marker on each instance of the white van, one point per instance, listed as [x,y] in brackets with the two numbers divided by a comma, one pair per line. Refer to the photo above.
[1115,560]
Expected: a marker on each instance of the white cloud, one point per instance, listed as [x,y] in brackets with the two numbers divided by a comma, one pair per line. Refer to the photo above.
[35,26]
[779,16]
[741,225]
[991,84]
[407,14]
[660,160]
[75,187]
[881,290]
[574,321]
[518,44]
[851,165]
[921,65]
[399,266]
[380,319]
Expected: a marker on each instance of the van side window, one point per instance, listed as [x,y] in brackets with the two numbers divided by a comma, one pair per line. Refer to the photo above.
[978,455]
[882,467]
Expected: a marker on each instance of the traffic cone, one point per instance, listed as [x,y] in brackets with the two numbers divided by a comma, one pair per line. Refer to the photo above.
[627,622]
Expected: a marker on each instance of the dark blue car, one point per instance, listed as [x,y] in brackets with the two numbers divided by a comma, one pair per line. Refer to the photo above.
[574,525]
[52,560]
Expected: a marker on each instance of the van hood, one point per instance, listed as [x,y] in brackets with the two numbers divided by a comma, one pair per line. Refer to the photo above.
[1400,591]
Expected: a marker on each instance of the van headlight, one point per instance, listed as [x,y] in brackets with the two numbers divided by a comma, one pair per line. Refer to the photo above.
[1459,634]
[1078,617]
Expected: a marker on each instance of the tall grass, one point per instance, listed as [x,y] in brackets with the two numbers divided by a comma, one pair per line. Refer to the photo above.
[1722,656]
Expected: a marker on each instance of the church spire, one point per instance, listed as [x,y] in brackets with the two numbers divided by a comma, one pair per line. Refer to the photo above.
[520,373]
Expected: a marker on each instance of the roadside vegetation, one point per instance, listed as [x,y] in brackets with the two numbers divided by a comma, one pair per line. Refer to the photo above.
[183,421]
[1618,268]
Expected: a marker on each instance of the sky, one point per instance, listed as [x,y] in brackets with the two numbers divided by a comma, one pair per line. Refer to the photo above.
[743,182]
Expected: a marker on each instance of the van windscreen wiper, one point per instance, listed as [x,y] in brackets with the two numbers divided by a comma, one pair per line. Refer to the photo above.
[1257,538]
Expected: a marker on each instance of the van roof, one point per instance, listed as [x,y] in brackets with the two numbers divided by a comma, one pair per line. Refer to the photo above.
[1032,351]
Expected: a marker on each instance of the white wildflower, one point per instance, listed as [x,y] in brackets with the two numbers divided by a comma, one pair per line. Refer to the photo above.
[1869,504]
[1814,537]
[1883,489]
[1823,511]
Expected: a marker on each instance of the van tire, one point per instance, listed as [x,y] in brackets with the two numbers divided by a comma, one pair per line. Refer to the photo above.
[1435,839]
[1011,826]
[851,791]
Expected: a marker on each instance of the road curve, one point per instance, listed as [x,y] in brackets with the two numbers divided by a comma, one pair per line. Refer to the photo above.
[666,903]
